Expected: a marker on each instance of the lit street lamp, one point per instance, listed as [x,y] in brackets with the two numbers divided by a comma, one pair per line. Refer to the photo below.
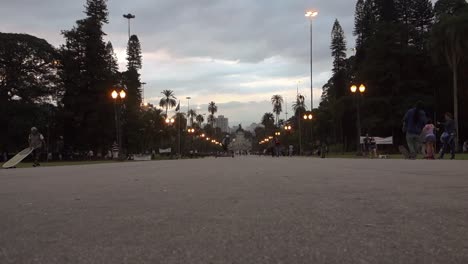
[170,121]
[358,92]
[308,116]
[118,96]
[310,15]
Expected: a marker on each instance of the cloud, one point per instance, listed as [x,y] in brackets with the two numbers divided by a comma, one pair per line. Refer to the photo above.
[212,50]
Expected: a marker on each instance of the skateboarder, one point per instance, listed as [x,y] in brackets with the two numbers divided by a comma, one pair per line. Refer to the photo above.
[36,142]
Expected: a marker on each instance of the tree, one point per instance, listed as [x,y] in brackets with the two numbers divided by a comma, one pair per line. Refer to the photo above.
[277,102]
[448,8]
[112,60]
[268,120]
[30,90]
[192,114]
[421,19]
[299,105]
[415,17]
[133,102]
[338,47]
[200,119]
[28,69]
[134,53]
[449,41]
[152,120]
[212,109]
[366,16]
[88,76]
[359,23]
[168,101]
[97,10]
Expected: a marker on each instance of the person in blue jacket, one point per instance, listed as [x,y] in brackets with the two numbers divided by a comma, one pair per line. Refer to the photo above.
[413,123]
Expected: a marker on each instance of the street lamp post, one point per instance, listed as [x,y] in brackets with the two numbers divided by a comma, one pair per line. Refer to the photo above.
[118,96]
[170,122]
[358,92]
[129,17]
[188,108]
[310,15]
[191,132]
[308,116]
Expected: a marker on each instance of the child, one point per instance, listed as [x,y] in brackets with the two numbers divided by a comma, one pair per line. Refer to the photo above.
[429,138]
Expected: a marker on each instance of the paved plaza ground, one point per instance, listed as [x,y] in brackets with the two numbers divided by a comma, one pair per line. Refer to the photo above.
[242,210]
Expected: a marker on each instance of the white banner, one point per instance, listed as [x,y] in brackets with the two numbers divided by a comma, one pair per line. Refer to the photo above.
[381,141]
[165,151]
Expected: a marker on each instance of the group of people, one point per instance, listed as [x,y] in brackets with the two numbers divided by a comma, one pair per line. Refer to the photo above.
[421,131]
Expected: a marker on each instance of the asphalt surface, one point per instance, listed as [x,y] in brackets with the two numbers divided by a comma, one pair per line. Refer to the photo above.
[242,210]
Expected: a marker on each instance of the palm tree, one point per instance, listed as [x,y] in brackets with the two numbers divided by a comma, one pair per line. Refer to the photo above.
[449,41]
[277,102]
[168,101]
[200,119]
[192,114]
[299,106]
[212,109]
[268,120]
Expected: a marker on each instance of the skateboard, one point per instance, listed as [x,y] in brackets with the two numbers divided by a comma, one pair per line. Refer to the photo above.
[18,158]
[404,151]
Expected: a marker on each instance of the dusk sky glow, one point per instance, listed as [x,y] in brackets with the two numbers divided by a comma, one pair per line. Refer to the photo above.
[236,53]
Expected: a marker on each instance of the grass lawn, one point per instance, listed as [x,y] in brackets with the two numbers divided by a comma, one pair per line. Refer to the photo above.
[29,164]
[63,163]
[392,156]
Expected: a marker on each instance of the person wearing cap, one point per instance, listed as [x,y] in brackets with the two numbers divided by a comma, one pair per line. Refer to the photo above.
[36,142]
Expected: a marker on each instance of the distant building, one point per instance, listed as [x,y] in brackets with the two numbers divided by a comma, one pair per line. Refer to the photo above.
[222,123]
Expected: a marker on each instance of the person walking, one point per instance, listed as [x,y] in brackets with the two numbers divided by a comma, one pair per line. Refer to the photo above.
[373,148]
[448,137]
[413,123]
[277,147]
[60,147]
[36,142]
[429,138]
[367,144]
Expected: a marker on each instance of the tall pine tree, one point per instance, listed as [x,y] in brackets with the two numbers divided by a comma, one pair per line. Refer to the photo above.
[88,74]
[134,99]
[338,47]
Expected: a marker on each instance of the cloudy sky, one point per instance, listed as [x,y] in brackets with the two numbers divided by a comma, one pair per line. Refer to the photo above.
[237,53]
